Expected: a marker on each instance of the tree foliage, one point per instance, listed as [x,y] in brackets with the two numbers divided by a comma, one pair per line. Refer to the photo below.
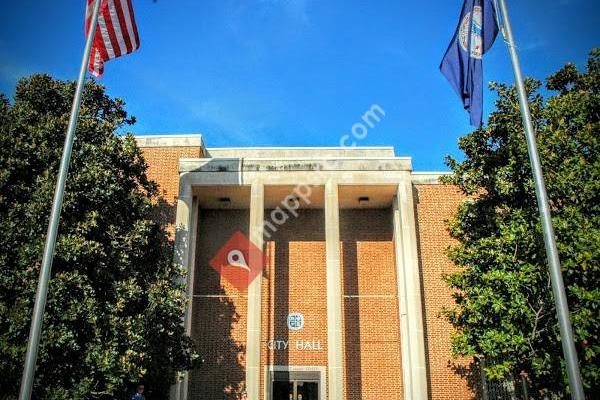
[113,315]
[504,308]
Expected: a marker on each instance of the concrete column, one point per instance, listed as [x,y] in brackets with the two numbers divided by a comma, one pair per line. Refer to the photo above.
[414,372]
[253,340]
[184,255]
[334,293]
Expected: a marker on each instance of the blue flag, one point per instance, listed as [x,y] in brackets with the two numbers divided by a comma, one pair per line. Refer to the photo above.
[461,65]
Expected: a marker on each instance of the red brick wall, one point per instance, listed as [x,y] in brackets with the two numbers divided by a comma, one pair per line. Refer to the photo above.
[163,168]
[218,312]
[434,205]
[295,281]
[373,365]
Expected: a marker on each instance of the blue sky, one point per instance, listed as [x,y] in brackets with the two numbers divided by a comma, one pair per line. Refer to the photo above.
[295,72]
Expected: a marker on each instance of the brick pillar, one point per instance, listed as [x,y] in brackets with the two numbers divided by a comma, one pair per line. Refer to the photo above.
[414,371]
[334,293]
[253,342]
[186,223]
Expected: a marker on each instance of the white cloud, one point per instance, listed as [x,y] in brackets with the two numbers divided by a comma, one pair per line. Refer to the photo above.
[10,70]
[242,16]
[566,2]
[11,73]
[294,9]
[533,44]
[239,116]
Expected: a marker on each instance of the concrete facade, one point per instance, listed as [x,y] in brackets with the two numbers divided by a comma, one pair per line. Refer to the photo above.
[355,243]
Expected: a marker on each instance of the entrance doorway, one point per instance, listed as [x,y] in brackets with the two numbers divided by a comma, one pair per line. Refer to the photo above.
[295,385]
[295,390]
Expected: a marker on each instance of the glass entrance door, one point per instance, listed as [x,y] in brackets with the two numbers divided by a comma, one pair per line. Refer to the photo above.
[307,390]
[295,390]
[283,390]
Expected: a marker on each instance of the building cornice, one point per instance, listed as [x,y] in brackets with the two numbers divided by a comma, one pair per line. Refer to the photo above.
[273,165]
[190,140]
[428,178]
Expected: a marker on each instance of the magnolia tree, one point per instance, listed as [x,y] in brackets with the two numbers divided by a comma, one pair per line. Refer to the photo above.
[114,310]
[504,308]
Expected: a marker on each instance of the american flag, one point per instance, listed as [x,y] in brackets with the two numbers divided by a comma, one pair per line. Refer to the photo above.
[116,32]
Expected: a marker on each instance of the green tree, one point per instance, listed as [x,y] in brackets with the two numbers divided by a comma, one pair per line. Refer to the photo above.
[504,308]
[114,309]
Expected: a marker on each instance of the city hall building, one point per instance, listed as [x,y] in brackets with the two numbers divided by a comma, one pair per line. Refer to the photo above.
[313,273]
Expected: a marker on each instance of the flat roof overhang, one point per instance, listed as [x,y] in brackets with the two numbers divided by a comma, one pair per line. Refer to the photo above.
[237,197]
[294,171]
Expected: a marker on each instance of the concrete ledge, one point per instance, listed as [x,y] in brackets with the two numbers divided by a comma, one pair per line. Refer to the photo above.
[192,140]
[428,178]
[286,165]
[299,152]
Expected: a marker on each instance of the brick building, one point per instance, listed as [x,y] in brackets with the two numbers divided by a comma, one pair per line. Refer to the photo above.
[346,303]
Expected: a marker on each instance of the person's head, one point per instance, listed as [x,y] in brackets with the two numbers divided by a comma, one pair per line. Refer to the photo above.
[140,388]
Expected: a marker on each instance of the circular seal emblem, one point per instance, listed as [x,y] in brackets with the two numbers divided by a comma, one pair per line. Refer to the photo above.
[295,321]
[472,31]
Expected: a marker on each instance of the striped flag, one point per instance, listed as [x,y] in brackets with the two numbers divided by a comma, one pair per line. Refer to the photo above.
[116,32]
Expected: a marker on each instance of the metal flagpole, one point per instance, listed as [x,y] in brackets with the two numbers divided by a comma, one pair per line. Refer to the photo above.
[558,287]
[42,289]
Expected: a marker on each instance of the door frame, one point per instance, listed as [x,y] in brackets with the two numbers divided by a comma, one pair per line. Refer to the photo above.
[295,372]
